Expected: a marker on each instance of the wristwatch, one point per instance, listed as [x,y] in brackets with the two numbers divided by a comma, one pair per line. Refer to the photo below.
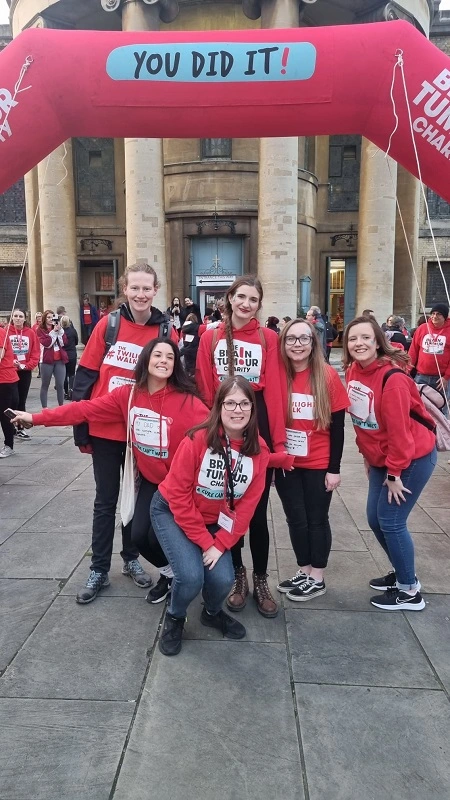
[392,477]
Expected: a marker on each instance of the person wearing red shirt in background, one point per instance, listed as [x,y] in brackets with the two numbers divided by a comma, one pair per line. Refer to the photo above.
[37,320]
[315,403]
[9,395]
[99,372]
[430,350]
[103,309]
[163,406]
[26,349]
[238,346]
[396,437]
[204,507]
[52,340]
[88,318]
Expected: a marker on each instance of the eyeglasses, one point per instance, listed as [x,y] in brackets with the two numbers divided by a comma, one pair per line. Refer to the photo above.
[231,405]
[305,338]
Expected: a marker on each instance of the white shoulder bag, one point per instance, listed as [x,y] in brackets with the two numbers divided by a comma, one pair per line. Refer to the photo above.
[130,480]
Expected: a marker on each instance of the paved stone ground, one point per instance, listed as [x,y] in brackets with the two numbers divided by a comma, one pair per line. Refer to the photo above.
[332,701]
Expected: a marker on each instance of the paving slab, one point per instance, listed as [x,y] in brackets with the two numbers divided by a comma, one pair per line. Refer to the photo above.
[259,628]
[15,499]
[345,533]
[7,472]
[349,647]
[42,555]
[60,750]
[436,493]
[9,525]
[22,604]
[432,555]
[62,472]
[355,502]
[97,651]
[366,743]
[347,580]
[233,732]
[120,585]
[433,632]
[441,516]
[68,512]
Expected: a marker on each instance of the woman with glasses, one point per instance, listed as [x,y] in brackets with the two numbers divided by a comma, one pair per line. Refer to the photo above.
[204,507]
[315,402]
[239,346]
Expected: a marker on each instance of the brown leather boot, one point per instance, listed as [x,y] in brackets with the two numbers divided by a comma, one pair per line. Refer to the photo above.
[264,601]
[237,598]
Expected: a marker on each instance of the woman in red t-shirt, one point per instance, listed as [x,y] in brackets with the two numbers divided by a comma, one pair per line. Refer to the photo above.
[9,395]
[315,402]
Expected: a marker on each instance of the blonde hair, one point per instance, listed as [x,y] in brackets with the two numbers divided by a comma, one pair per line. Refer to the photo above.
[318,378]
[138,267]
[65,321]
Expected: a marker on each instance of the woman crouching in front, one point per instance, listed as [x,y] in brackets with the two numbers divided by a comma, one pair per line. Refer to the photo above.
[205,505]
[396,437]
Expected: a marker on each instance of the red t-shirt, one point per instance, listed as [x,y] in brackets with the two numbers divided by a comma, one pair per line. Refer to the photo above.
[87,317]
[311,445]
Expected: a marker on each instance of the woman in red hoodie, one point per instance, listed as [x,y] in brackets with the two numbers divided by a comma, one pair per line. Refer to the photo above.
[162,406]
[54,357]
[396,437]
[204,507]
[26,349]
[239,346]
[9,396]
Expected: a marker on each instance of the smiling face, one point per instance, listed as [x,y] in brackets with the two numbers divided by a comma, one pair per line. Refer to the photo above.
[235,421]
[161,363]
[18,318]
[139,291]
[362,344]
[245,304]
[299,351]
[437,319]
[48,319]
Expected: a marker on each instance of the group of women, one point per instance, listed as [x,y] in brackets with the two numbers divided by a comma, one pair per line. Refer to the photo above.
[206,453]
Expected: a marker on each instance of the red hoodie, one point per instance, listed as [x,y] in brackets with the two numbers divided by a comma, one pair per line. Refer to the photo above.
[117,367]
[8,372]
[310,445]
[254,361]
[194,490]
[158,422]
[386,435]
[26,348]
[431,346]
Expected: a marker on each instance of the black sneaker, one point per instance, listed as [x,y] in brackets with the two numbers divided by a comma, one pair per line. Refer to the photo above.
[95,582]
[292,583]
[170,641]
[22,435]
[160,591]
[307,590]
[396,600]
[228,626]
[388,582]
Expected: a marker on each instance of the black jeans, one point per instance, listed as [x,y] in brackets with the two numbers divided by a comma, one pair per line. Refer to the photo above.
[142,533]
[306,504]
[259,530]
[70,375]
[9,398]
[23,387]
[107,460]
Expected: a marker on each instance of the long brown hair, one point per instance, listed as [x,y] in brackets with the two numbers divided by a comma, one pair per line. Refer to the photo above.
[245,280]
[43,323]
[213,423]
[319,385]
[385,351]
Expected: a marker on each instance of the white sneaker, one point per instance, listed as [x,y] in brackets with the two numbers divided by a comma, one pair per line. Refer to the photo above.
[6,451]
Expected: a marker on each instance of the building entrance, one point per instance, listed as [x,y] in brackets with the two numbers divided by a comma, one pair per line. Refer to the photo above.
[341,292]
[216,262]
[98,279]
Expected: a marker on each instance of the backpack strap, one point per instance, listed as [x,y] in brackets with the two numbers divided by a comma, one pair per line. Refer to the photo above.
[413,414]
[112,330]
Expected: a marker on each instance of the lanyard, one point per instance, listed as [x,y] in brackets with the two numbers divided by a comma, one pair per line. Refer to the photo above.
[231,473]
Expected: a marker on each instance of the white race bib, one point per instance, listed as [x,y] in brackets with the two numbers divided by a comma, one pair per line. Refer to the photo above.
[297,442]
[361,402]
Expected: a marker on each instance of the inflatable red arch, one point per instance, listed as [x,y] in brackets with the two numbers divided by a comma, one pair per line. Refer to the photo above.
[295,82]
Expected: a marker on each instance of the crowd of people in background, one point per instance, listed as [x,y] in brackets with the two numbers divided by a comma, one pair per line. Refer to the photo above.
[217,410]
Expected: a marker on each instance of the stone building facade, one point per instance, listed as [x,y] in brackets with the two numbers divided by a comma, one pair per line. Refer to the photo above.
[300,211]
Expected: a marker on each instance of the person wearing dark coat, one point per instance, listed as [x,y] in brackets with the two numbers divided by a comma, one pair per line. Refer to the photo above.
[71,350]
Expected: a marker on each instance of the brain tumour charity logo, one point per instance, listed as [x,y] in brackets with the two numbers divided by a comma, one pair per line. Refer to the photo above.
[6,103]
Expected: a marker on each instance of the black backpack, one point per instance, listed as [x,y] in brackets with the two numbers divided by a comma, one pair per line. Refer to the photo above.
[112,329]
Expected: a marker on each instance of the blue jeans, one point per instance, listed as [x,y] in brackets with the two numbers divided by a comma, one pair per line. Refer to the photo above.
[186,560]
[389,521]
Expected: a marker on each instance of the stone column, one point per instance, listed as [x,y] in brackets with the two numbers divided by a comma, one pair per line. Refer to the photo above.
[58,239]
[405,290]
[376,233]
[34,243]
[278,196]
[144,168]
